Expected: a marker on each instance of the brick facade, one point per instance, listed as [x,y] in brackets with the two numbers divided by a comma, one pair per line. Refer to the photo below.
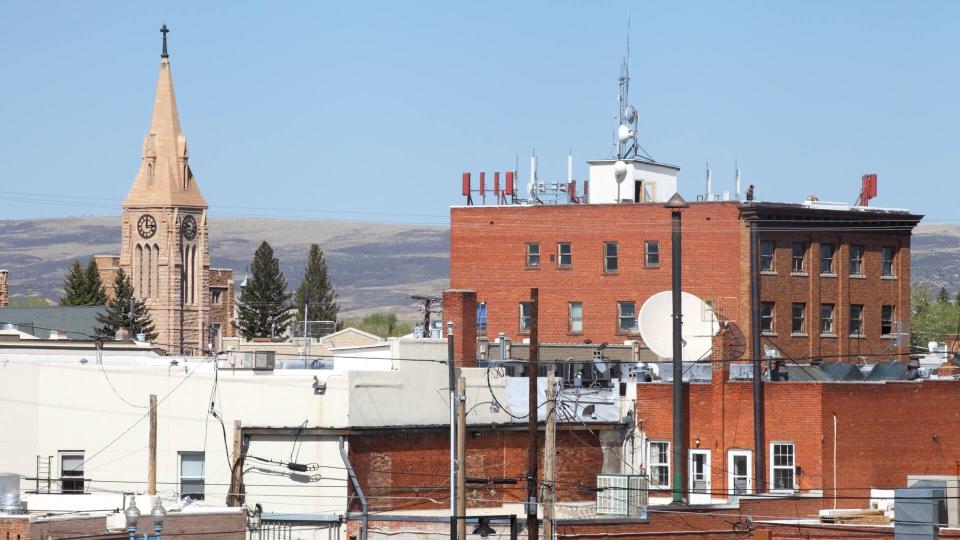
[4,288]
[461,307]
[225,525]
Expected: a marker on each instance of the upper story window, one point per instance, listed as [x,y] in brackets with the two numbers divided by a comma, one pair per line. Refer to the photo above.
[564,254]
[609,256]
[481,319]
[651,253]
[856,260]
[658,463]
[71,471]
[799,253]
[767,250]
[627,316]
[798,318]
[856,319]
[191,475]
[575,317]
[782,466]
[533,255]
[826,319]
[886,320]
[216,295]
[766,317]
[888,255]
[826,258]
[526,309]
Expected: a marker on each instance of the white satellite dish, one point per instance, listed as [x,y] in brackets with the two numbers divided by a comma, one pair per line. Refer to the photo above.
[624,133]
[620,171]
[630,115]
[699,326]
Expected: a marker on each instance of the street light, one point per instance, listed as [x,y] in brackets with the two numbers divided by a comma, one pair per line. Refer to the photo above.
[132,514]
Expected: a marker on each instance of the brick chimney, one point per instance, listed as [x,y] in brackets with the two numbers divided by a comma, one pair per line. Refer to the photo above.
[4,289]
[460,306]
[720,355]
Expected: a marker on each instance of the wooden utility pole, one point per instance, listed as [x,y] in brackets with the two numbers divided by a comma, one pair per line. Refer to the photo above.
[152,459]
[550,459]
[236,467]
[462,459]
[533,457]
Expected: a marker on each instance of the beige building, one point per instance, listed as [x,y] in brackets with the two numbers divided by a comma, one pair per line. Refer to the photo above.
[164,243]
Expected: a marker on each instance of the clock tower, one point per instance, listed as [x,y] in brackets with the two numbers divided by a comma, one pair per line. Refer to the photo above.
[164,229]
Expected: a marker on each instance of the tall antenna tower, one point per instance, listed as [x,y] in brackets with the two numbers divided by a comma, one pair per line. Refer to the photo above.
[626,136]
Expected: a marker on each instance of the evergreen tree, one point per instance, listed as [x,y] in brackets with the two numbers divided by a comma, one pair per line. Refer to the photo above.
[316,289]
[942,296]
[264,309]
[118,314]
[82,286]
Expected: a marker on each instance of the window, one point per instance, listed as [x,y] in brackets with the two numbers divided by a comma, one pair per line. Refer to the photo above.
[856,320]
[799,250]
[766,318]
[71,472]
[651,253]
[627,316]
[887,254]
[564,254]
[782,463]
[826,258]
[191,475]
[658,463]
[609,256]
[526,309]
[576,317]
[798,315]
[481,319]
[886,320]
[826,318]
[216,295]
[856,260]
[766,256]
[533,255]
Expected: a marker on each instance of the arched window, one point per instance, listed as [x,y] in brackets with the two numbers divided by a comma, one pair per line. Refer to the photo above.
[138,271]
[147,272]
[155,272]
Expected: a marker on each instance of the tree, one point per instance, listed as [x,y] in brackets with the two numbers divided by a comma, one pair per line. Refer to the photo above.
[316,289]
[119,315]
[29,301]
[82,286]
[931,321]
[380,324]
[943,296]
[264,309]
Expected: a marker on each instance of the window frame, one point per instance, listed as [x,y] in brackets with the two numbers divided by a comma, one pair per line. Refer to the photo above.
[560,255]
[792,467]
[202,478]
[888,267]
[802,258]
[768,260]
[856,331]
[856,249]
[828,259]
[571,319]
[767,319]
[892,321]
[666,467]
[69,477]
[832,331]
[732,476]
[635,328]
[531,259]
[803,319]
[525,306]
[607,258]
[648,253]
[482,308]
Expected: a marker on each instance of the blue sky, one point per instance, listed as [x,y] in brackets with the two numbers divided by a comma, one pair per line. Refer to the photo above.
[372,110]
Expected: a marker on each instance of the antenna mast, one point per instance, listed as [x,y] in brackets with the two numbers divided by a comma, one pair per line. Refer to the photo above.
[626,136]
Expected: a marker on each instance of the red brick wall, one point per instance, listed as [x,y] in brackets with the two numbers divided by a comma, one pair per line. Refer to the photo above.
[460,306]
[411,469]
[227,526]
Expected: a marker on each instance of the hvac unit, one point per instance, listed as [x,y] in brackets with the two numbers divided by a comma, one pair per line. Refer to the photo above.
[622,495]
[258,360]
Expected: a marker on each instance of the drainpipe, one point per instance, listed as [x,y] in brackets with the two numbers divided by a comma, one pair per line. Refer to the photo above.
[356,487]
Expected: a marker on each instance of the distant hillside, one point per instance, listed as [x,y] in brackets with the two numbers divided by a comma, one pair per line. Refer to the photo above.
[374,266]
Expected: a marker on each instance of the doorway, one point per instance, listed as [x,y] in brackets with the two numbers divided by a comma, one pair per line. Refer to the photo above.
[699,470]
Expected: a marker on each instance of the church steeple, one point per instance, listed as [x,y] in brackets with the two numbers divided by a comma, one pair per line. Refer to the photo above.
[165,178]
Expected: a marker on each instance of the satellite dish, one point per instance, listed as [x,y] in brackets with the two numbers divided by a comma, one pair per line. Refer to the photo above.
[624,133]
[620,170]
[699,326]
[630,115]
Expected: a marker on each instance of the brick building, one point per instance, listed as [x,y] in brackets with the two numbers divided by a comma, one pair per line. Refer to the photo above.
[835,280]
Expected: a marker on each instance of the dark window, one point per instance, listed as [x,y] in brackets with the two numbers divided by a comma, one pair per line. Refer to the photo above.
[798,316]
[627,316]
[826,318]
[216,295]
[609,256]
[766,317]
[481,318]
[651,249]
[525,311]
[886,320]
[856,320]
[564,254]
[576,317]
[888,253]
[799,251]
[533,254]
[71,472]
[856,260]
[191,475]
[767,249]
[826,258]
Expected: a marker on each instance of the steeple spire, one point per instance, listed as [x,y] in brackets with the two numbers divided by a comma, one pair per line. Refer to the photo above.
[164,30]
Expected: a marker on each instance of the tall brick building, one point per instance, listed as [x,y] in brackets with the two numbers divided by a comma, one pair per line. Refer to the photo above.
[835,280]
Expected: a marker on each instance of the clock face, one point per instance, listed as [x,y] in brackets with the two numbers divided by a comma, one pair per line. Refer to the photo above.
[146,226]
[189,227]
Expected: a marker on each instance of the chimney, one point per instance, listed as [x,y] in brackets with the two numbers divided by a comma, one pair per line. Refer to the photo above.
[460,306]
[720,355]
[4,290]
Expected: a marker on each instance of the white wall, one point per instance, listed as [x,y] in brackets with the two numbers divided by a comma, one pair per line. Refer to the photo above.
[603,183]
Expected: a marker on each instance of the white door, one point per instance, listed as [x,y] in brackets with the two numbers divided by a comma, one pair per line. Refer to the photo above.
[699,472]
[739,472]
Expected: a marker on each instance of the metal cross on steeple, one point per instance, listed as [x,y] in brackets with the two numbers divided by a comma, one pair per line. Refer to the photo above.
[164,30]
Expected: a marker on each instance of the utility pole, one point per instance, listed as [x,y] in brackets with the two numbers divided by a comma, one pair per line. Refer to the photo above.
[755,352]
[462,459]
[306,317]
[152,456]
[532,436]
[428,304]
[675,204]
[451,381]
[550,459]
[236,467]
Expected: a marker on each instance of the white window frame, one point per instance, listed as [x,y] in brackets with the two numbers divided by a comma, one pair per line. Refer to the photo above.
[658,464]
[774,467]
[561,255]
[731,477]
[804,248]
[832,331]
[856,259]
[893,320]
[705,496]
[532,256]
[635,328]
[525,319]
[571,319]
[771,329]
[858,331]
[892,262]
[768,261]
[830,261]
[648,253]
[201,478]
[63,474]
[802,331]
